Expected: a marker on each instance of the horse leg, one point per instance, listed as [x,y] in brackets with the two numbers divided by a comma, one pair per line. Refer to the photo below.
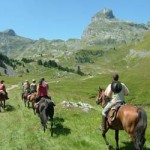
[106,141]
[28,104]
[4,104]
[24,102]
[33,108]
[1,105]
[117,139]
[52,122]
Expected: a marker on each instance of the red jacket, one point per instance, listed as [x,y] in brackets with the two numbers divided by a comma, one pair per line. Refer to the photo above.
[2,87]
[43,89]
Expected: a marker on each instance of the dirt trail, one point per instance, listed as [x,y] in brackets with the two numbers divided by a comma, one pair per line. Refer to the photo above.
[12,87]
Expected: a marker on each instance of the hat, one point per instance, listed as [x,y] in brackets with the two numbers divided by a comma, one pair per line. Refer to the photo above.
[33,80]
[42,79]
[116,86]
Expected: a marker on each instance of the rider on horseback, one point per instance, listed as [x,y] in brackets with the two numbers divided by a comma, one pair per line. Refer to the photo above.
[115,93]
[3,88]
[33,86]
[42,91]
[26,86]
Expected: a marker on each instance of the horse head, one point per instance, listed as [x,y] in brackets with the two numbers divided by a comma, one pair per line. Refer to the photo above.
[101,99]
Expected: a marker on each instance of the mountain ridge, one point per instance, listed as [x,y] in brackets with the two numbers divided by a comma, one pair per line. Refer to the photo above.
[105,31]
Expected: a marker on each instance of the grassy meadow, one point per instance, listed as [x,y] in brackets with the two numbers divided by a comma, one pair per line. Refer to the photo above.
[74,128]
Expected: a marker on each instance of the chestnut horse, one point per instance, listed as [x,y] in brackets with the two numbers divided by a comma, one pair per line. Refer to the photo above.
[32,99]
[130,118]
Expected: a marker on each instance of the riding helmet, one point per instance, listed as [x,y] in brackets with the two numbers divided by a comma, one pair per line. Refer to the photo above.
[116,86]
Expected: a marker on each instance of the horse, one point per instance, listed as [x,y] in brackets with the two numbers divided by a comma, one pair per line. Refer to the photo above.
[32,99]
[24,97]
[2,99]
[46,109]
[130,118]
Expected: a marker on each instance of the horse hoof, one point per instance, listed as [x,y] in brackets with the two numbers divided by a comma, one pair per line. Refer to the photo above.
[110,147]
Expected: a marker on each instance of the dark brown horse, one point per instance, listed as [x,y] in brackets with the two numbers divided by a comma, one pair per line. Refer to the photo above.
[130,118]
[46,110]
[2,99]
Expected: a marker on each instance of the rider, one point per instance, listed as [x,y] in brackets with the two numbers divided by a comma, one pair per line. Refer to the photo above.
[33,86]
[3,88]
[26,86]
[115,93]
[42,91]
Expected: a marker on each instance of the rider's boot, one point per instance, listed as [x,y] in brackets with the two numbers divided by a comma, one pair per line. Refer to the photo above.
[7,96]
[103,124]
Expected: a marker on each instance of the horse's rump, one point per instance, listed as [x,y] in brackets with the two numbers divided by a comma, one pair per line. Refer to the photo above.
[126,118]
[46,109]
[32,97]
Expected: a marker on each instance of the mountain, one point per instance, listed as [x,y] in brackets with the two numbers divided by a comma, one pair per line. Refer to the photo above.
[17,47]
[106,29]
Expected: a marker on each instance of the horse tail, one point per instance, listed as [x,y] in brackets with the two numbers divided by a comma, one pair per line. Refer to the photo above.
[43,116]
[140,129]
[44,120]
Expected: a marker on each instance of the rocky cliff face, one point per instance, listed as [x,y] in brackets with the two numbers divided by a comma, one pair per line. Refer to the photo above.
[106,29]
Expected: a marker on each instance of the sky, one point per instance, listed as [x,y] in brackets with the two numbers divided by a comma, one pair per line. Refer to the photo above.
[64,19]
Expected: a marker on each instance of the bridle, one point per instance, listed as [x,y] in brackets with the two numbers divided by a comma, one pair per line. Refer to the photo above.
[100,96]
[102,99]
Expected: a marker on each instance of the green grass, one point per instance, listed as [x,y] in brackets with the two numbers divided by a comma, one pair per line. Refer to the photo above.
[74,129]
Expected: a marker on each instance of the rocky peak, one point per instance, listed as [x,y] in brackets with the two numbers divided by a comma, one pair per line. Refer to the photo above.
[10,32]
[106,29]
[104,14]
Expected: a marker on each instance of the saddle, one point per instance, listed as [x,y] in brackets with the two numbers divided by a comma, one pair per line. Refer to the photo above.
[1,91]
[47,101]
[111,116]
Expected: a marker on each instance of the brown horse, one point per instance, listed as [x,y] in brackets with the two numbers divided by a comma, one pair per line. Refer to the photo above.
[130,118]
[32,99]
[2,99]
[24,97]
